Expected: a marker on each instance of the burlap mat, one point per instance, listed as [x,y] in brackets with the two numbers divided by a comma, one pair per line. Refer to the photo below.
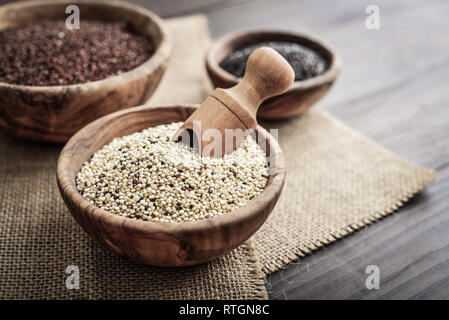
[337,182]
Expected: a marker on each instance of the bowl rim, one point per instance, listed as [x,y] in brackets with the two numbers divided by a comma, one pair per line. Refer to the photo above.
[69,191]
[160,55]
[217,46]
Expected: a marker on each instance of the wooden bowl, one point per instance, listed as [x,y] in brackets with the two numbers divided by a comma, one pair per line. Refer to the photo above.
[300,96]
[159,243]
[55,113]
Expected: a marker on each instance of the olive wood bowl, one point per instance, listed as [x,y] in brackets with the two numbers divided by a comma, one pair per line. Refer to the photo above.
[301,95]
[161,243]
[55,113]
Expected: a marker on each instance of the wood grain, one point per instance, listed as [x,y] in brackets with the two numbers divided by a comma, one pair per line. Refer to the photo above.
[411,249]
[54,113]
[158,243]
[300,96]
[267,74]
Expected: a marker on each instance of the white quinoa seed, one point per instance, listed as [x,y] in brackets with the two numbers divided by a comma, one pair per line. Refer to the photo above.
[147,176]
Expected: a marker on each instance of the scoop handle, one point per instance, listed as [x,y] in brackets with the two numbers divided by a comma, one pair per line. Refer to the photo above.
[267,74]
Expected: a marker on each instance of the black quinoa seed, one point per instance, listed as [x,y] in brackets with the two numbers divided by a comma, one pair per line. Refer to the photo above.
[306,62]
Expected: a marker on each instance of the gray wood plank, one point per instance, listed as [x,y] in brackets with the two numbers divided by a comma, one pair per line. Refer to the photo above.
[169,9]
[342,25]
[411,249]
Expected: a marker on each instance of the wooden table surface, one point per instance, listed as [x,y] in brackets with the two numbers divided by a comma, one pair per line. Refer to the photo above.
[393,89]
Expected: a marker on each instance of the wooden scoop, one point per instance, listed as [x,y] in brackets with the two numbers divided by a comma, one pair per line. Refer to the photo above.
[221,122]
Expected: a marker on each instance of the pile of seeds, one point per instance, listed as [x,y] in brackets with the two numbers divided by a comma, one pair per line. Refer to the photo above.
[305,62]
[47,53]
[147,176]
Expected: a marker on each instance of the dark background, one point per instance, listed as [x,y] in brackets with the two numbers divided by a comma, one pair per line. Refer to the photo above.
[393,89]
